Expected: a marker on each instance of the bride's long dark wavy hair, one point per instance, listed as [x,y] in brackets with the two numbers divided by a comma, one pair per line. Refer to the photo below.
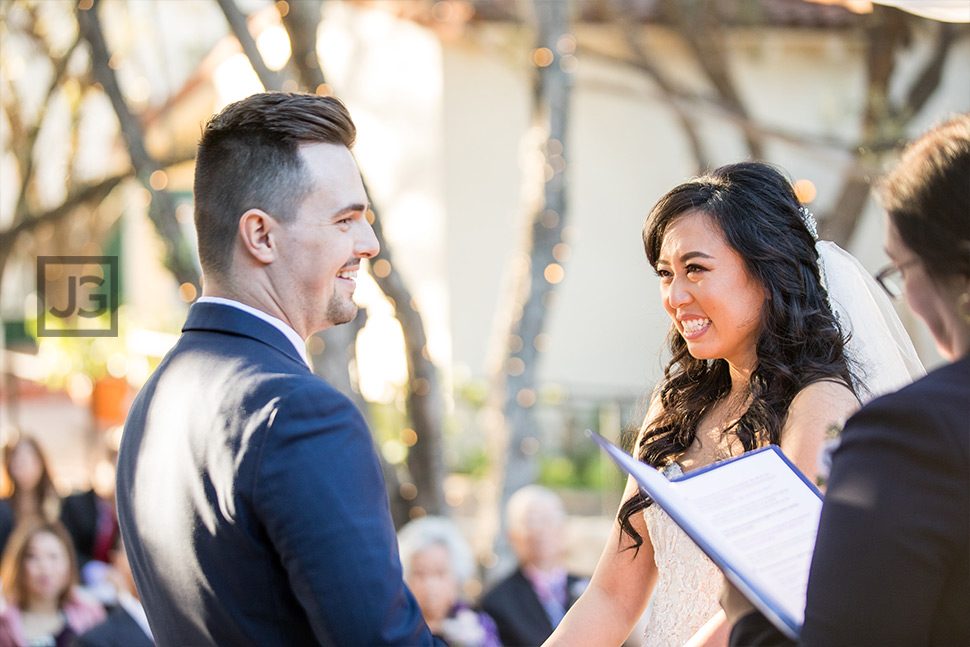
[800,341]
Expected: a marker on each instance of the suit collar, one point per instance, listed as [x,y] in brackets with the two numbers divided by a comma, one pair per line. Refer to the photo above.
[227,319]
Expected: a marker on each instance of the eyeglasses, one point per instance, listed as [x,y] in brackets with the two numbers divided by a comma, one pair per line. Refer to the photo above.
[890,278]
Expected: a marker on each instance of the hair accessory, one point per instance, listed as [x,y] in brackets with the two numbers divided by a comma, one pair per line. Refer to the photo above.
[809,219]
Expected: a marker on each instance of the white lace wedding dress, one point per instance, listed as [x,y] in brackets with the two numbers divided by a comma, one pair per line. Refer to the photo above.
[688,583]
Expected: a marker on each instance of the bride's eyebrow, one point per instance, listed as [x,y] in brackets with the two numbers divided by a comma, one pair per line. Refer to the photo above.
[685,257]
[689,256]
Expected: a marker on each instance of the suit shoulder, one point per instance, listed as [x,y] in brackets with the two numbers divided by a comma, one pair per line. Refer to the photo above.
[312,391]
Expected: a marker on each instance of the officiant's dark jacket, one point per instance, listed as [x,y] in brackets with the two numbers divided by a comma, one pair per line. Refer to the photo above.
[251,501]
[892,561]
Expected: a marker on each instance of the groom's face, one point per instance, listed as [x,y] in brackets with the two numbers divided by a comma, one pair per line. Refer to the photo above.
[322,247]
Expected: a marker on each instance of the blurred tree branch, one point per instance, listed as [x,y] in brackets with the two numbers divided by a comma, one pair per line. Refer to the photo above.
[697,23]
[178,255]
[513,392]
[643,61]
[238,24]
[888,31]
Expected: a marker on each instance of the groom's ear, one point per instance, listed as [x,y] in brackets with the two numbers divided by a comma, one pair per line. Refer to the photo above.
[257,230]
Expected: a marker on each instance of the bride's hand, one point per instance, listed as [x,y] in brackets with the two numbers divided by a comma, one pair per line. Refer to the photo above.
[714,633]
[735,605]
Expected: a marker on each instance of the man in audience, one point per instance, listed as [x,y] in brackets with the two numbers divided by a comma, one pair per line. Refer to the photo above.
[126,625]
[528,604]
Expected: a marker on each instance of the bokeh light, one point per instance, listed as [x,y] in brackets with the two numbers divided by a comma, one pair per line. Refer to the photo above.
[525,398]
[553,273]
[158,181]
[274,46]
[409,437]
[805,191]
[188,292]
[542,57]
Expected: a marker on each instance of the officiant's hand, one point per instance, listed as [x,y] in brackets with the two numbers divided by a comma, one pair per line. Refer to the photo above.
[735,605]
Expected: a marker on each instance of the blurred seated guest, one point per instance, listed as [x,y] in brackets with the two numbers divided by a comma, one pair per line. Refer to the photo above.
[437,562]
[89,516]
[43,604]
[28,490]
[529,604]
[127,624]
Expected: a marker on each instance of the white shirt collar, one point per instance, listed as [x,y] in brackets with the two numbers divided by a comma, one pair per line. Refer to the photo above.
[298,342]
[134,608]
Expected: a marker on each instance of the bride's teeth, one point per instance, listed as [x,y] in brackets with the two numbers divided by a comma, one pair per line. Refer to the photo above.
[693,325]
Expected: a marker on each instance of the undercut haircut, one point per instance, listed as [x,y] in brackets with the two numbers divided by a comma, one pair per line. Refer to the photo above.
[249,158]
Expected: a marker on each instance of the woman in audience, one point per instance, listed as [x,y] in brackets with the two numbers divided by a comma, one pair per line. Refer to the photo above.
[43,606]
[892,558]
[437,562]
[28,490]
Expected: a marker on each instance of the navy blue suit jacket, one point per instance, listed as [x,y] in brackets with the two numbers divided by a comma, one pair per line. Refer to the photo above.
[251,502]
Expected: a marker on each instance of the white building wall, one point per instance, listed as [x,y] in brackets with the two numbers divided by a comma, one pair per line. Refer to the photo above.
[445,141]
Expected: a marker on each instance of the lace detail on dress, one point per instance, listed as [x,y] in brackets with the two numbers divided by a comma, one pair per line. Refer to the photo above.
[688,583]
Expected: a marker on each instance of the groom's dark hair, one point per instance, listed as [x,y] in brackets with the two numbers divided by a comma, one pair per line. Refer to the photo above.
[248,158]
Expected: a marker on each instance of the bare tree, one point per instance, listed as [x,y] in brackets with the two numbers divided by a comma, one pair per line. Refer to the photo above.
[178,253]
[514,389]
[642,60]
[888,31]
[699,25]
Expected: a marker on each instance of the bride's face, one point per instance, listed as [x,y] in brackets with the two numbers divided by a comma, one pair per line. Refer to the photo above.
[714,302]
[933,300]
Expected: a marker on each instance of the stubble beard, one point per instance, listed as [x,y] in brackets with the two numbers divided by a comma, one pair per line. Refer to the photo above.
[341,311]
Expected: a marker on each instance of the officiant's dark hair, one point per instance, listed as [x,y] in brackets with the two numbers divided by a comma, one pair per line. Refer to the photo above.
[248,158]
[800,341]
[927,198]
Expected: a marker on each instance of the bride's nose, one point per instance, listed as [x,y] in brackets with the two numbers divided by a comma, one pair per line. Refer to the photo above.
[678,294]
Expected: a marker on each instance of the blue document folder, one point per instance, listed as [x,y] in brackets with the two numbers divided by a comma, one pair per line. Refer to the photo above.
[756,517]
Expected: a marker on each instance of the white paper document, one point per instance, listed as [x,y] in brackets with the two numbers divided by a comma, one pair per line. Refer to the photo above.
[756,516]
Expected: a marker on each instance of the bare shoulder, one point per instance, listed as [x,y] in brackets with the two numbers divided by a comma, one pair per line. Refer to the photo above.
[812,414]
[826,399]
